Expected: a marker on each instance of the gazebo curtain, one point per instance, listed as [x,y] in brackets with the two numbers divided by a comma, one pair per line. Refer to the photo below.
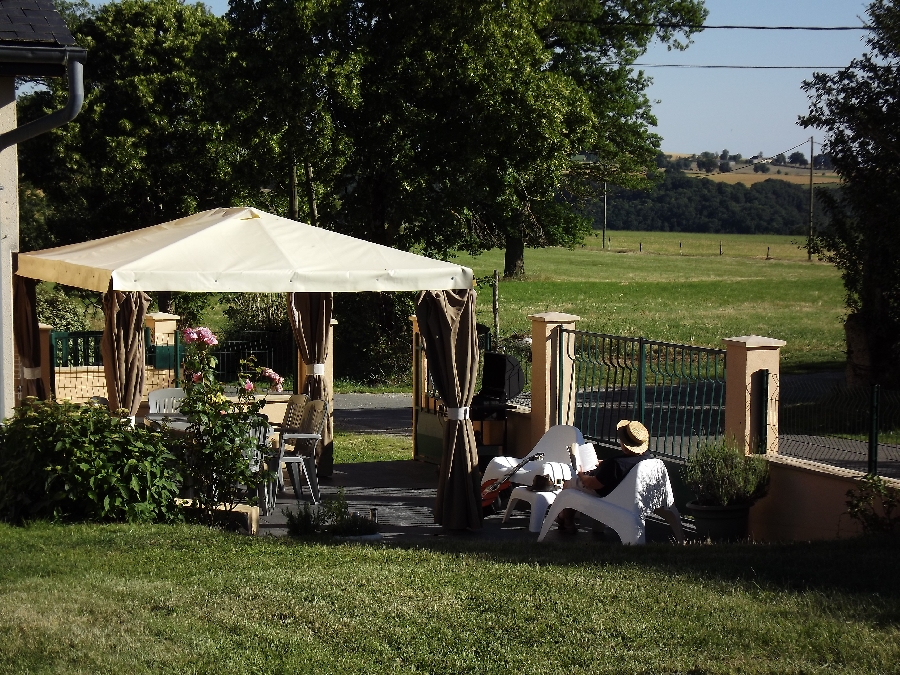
[122,347]
[447,325]
[310,317]
[27,337]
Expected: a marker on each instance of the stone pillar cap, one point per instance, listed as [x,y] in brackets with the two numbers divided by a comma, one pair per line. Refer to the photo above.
[554,317]
[755,341]
[163,316]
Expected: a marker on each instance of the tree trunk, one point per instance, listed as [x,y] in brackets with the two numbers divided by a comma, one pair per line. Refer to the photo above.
[514,262]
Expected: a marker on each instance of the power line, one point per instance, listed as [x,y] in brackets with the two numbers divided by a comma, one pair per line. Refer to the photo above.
[697,65]
[698,27]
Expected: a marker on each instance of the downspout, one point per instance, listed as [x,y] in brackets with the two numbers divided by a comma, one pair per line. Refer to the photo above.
[73,60]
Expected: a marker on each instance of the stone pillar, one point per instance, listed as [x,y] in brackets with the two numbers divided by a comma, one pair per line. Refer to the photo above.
[9,245]
[544,376]
[162,327]
[745,359]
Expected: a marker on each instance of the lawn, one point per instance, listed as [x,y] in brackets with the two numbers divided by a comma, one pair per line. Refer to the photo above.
[184,599]
[698,297]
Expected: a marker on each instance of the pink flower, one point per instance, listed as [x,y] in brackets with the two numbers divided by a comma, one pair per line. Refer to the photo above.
[206,336]
[189,335]
[248,386]
[278,387]
[196,377]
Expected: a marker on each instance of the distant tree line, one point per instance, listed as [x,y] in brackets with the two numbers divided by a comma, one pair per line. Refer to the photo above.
[682,203]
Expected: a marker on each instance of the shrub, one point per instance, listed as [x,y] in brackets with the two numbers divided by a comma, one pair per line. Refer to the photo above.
[720,474]
[373,337]
[57,309]
[70,462]
[333,517]
[863,502]
[223,439]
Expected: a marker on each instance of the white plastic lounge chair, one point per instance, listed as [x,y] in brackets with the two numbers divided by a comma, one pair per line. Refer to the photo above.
[541,501]
[554,444]
[645,490]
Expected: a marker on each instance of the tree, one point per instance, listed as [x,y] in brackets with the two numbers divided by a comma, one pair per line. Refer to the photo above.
[857,108]
[780,159]
[460,124]
[708,162]
[144,149]
[724,167]
[797,158]
[724,155]
[761,167]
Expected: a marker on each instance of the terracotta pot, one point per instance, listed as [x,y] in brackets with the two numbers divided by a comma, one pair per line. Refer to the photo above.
[720,523]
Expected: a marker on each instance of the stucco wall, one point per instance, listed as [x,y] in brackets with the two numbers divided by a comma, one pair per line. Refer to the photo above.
[806,501]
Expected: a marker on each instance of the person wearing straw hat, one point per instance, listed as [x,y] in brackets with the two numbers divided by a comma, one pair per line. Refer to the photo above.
[634,440]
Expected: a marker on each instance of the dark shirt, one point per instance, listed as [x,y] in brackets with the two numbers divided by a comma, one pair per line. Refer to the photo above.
[610,472]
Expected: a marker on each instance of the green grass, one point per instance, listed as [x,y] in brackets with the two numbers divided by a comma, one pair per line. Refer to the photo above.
[694,299]
[354,448]
[154,599]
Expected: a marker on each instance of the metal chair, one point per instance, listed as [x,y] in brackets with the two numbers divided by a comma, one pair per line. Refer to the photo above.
[305,437]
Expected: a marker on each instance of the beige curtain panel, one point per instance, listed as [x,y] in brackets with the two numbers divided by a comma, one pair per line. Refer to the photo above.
[28,337]
[310,317]
[122,348]
[447,325]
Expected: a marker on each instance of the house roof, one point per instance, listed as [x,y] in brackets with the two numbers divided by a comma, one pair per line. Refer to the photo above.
[33,23]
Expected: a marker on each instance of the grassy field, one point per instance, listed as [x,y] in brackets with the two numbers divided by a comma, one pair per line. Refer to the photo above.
[157,599]
[698,297]
[788,174]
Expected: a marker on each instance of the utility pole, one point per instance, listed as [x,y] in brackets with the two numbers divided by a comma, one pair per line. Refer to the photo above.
[604,216]
[810,232]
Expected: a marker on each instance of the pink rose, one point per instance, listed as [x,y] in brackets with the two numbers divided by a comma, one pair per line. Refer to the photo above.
[248,385]
[196,377]
[189,335]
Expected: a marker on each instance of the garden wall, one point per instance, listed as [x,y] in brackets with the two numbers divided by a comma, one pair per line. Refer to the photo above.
[806,501]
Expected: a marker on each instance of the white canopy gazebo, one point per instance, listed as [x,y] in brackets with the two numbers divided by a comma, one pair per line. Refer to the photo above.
[247,250]
[239,250]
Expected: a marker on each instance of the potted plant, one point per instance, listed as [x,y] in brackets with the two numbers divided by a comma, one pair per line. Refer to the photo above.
[726,483]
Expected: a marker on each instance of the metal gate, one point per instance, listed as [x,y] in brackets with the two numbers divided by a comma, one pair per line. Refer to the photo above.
[677,391]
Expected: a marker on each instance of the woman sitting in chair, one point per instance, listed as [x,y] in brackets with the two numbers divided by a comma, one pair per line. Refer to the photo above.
[634,439]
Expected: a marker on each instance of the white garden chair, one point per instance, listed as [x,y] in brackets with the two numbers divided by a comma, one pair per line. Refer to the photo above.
[645,490]
[165,404]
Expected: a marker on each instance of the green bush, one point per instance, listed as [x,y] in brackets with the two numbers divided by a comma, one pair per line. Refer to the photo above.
[67,462]
[373,337]
[720,474]
[863,505]
[333,517]
[59,310]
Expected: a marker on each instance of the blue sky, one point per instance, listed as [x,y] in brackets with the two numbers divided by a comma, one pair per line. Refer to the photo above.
[745,111]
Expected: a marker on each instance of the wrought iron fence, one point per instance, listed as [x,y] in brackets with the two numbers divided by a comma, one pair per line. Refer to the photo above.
[823,419]
[76,361]
[677,391]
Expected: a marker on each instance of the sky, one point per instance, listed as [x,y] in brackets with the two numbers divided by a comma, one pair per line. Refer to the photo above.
[748,111]
[744,111]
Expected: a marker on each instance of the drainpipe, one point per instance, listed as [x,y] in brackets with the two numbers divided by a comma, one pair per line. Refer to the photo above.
[73,60]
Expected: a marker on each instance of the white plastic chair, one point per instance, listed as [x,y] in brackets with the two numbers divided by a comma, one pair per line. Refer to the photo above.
[645,490]
[541,501]
[554,444]
[165,404]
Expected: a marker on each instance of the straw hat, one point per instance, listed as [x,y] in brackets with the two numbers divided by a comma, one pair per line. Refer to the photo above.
[634,436]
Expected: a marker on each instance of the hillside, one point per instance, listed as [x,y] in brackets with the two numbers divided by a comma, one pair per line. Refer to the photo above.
[681,203]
